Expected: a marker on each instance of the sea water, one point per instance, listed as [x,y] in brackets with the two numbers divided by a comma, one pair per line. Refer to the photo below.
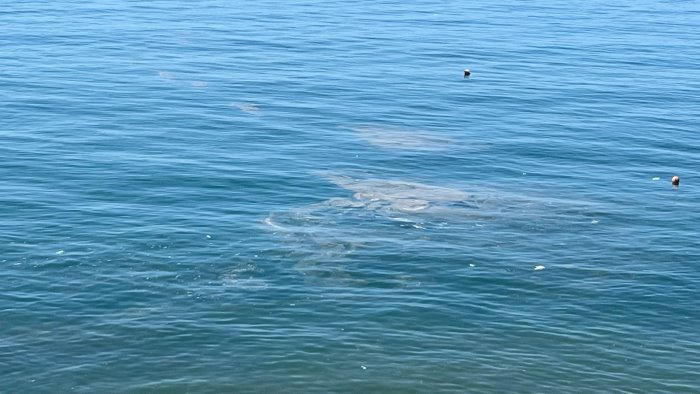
[309,197]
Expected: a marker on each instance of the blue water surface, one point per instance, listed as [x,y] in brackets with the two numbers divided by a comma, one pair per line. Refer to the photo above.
[309,197]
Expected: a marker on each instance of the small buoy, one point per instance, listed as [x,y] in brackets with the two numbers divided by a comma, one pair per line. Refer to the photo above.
[676,180]
[467,73]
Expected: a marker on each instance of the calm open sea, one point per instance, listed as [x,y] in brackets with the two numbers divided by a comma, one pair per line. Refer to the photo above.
[309,197]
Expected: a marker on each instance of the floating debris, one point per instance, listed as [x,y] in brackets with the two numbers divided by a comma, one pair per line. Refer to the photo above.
[59,252]
[539,267]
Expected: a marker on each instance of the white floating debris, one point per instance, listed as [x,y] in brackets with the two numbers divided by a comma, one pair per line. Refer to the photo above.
[363,367]
[656,178]
[472,265]
[59,252]
[208,236]
[539,267]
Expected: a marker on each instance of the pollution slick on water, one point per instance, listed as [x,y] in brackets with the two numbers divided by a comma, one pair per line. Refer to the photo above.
[393,197]
[371,215]
[420,203]
[408,139]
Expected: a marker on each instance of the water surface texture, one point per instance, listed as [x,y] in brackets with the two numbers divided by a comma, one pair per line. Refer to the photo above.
[308,197]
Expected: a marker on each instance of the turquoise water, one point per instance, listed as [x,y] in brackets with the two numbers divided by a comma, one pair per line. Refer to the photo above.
[264,197]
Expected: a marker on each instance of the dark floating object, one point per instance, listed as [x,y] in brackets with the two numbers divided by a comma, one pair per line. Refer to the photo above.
[676,180]
[467,73]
